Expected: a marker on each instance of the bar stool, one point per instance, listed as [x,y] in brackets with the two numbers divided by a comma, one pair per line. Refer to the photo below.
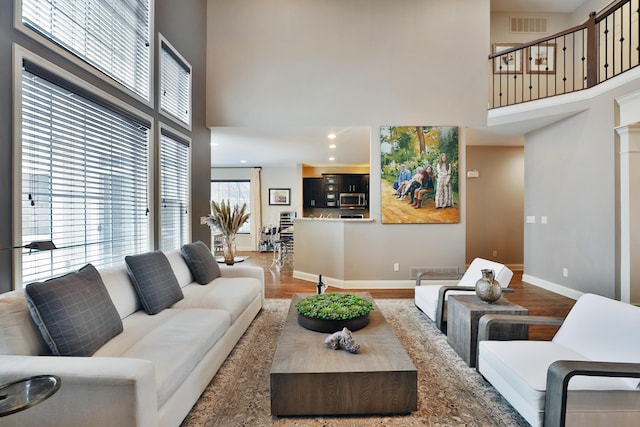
[280,253]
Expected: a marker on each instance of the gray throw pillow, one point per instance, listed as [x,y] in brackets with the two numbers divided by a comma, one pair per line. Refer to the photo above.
[201,262]
[74,312]
[154,281]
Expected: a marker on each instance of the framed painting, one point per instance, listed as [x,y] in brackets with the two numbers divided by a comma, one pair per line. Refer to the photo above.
[419,175]
[509,62]
[280,196]
[542,59]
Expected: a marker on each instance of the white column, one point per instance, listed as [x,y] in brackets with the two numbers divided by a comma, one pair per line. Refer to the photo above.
[630,213]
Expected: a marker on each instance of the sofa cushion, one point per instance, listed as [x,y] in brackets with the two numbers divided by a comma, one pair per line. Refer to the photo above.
[518,371]
[153,280]
[74,312]
[19,335]
[121,290]
[426,299]
[201,262]
[524,367]
[179,267]
[609,323]
[174,340]
[232,294]
[502,274]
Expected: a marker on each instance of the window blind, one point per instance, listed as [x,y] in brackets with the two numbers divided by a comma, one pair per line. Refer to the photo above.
[175,85]
[111,35]
[84,180]
[174,191]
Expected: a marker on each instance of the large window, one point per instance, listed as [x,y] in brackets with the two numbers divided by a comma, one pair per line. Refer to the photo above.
[174,189]
[236,192]
[175,84]
[85,175]
[113,36]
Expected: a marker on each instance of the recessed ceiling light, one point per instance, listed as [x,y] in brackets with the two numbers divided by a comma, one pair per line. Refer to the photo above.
[332,145]
[243,161]
[332,135]
[332,158]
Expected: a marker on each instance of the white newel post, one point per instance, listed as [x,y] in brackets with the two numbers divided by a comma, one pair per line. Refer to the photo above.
[629,213]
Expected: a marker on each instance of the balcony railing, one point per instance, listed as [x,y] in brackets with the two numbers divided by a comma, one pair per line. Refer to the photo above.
[607,45]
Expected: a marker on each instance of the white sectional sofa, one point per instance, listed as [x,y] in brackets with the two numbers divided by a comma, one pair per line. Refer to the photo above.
[588,375]
[152,372]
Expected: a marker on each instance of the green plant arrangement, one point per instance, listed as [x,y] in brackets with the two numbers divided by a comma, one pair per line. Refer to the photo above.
[334,306]
[227,219]
[333,312]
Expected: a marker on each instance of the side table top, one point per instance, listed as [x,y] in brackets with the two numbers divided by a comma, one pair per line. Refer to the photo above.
[19,395]
[473,303]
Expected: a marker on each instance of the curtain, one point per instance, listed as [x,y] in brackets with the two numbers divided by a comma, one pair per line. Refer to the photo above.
[256,208]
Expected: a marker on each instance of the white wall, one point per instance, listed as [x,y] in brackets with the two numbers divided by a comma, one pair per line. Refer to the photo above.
[365,62]
[571,177]
[581,14]
[279,177]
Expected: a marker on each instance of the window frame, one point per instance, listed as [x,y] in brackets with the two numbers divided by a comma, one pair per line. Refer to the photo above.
[76,60]
[164,43]
[19,55]
[187,140]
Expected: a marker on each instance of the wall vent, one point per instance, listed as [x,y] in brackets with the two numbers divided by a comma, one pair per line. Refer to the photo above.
[528,25]
[436,273]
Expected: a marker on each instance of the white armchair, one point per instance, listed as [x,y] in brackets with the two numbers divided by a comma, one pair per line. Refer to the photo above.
[431,299]
[587,375]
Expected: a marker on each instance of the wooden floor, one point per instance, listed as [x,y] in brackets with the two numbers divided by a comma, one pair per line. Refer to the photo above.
[540,302]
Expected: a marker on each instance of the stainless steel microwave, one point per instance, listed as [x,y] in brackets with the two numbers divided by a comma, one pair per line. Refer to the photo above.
[353,200]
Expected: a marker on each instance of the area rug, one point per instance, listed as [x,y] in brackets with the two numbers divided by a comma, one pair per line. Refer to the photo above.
[449,392]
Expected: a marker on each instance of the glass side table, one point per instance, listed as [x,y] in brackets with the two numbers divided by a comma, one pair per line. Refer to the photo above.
[22,394]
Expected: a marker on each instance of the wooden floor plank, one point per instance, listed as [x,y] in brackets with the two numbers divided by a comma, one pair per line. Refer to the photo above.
[540,302]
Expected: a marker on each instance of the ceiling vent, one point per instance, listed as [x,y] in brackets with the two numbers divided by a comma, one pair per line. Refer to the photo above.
[528,25]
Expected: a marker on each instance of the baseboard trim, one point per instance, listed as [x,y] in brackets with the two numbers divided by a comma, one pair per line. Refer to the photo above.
[553,287]
[515,267]
[367,284]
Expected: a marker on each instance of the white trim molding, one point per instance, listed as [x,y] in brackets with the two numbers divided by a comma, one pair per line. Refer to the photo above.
[553,287]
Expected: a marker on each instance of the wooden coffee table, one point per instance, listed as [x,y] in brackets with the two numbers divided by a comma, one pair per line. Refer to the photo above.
[309,379]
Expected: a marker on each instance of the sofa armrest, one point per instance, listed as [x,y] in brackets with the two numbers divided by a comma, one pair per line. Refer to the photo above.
[560,372]
[96,391]
[442,292]
[488,320]
[242,271]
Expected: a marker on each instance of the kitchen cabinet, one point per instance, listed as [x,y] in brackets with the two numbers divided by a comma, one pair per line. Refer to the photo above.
[354,183]
[325,192]
[331,188]
[312,193]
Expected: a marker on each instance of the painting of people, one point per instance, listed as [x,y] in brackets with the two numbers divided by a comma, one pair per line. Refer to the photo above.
[419,174]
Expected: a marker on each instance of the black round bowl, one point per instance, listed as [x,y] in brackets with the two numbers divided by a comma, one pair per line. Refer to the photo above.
[324,325]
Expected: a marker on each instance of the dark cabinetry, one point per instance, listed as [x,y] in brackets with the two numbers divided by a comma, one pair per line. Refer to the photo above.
[354,183]
[331,188]
[312,192]
[325,192]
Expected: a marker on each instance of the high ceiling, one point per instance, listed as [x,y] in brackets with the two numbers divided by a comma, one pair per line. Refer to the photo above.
[244,147]
[290,146]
